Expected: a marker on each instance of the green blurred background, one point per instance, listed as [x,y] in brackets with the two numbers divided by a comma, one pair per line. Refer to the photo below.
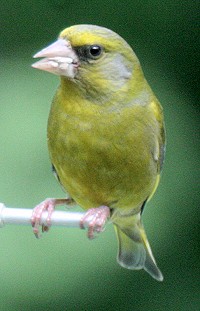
[63,270]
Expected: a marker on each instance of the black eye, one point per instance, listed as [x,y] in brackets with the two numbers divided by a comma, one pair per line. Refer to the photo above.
[95,51]
[89,52]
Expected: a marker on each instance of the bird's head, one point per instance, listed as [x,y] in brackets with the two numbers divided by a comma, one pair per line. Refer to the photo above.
[93,57]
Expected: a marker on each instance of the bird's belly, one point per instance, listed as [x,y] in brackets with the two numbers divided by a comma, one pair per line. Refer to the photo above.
[103,169]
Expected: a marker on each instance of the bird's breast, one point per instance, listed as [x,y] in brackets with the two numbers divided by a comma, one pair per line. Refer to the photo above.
[102,159]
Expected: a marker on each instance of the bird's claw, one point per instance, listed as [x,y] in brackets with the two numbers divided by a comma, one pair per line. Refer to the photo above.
[95,219]
[49,206]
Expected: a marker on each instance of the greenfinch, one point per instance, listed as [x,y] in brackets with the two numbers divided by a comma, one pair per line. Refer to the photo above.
[106,137]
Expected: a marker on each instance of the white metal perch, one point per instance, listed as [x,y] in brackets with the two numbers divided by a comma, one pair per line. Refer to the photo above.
[22,216]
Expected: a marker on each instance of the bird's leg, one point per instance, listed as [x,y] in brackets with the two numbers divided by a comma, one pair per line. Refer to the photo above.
[95,219]
[70,203]
[46,205]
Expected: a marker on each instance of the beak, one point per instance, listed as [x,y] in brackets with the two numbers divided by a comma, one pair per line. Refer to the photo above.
[58,58]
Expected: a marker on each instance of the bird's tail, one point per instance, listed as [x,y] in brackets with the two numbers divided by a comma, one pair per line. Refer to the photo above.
[134,249]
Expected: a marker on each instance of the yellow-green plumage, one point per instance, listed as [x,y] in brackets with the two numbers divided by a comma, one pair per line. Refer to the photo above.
[100,158]
[106,138]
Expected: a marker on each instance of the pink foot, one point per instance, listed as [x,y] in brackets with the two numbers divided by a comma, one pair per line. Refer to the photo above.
[46,205]
[95,219]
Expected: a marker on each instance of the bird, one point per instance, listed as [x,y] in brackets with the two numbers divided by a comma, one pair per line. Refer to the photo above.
[106,138]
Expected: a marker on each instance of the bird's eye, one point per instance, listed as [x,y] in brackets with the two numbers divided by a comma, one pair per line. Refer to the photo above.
[89,52]
[95,51]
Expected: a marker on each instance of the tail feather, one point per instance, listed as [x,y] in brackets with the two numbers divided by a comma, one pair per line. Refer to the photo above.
[135,252]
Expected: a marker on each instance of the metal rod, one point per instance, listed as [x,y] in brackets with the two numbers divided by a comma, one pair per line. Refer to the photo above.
[22,216]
